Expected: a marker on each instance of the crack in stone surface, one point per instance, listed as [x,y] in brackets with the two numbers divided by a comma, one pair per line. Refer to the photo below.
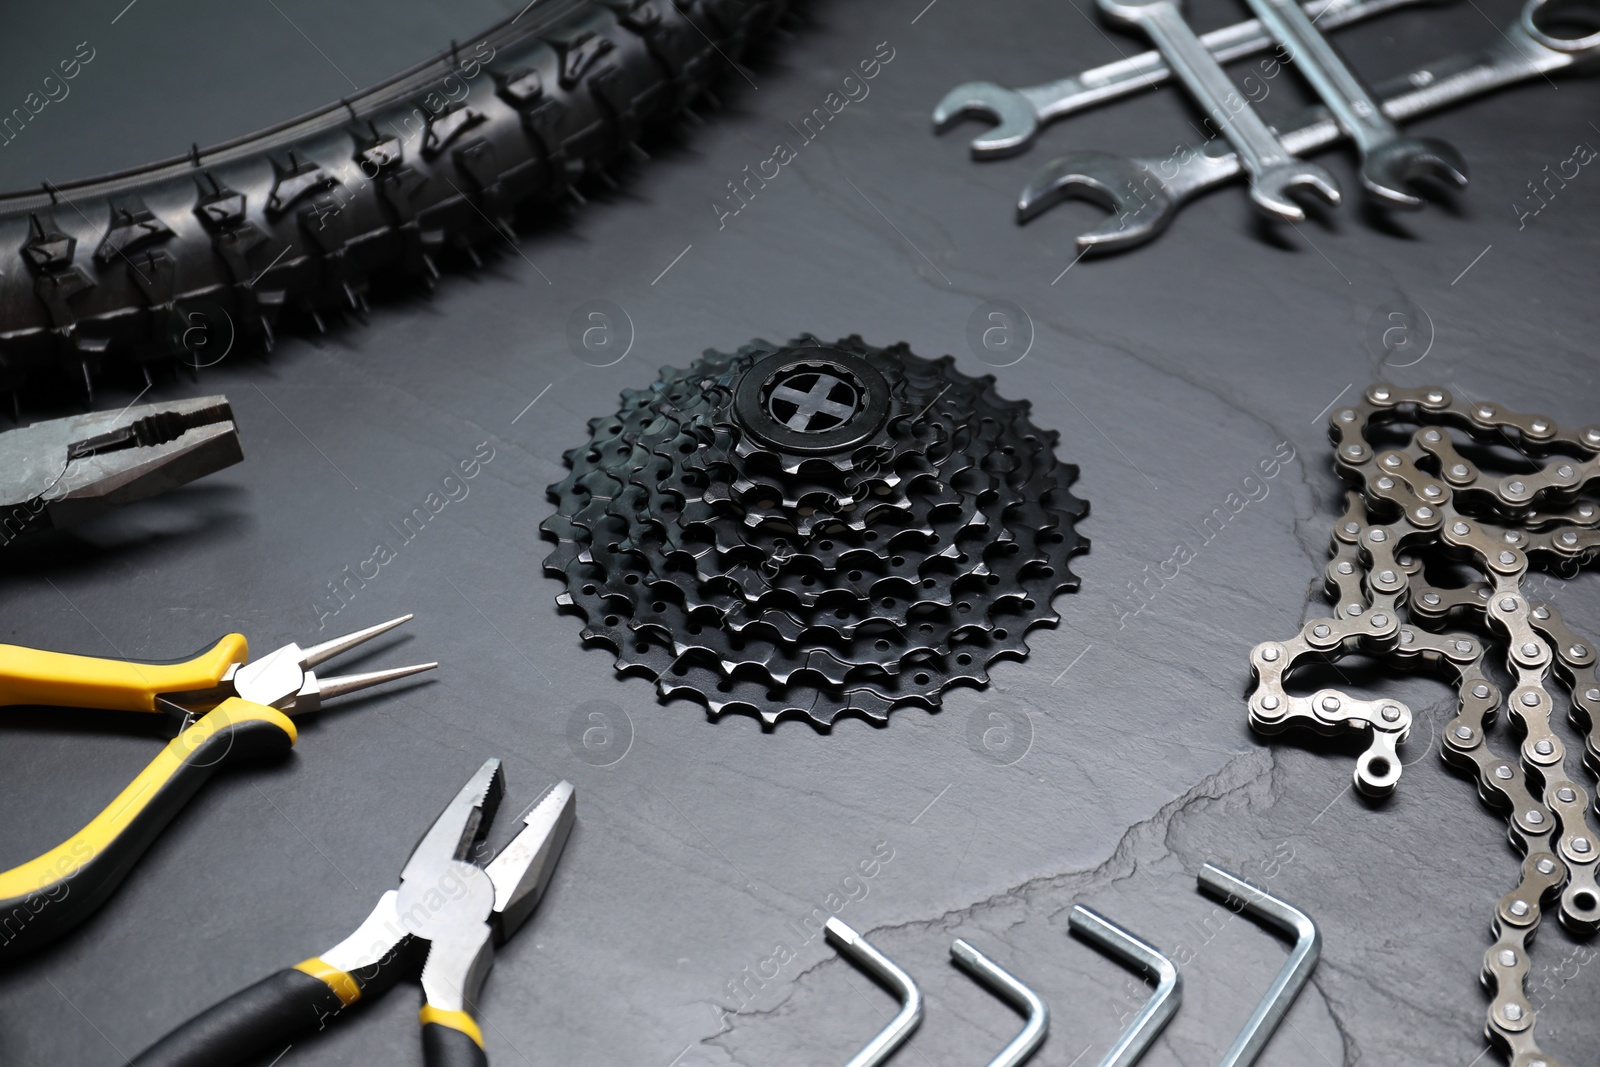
[1143,843]
[1352,1047]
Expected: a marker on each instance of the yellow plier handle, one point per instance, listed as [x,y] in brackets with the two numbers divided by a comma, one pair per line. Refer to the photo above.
[244,715]
[48,895]
[58,679]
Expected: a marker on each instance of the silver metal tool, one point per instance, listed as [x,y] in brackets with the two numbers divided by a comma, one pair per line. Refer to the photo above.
[1399,523]
[1163,1003]
[1291,979]
[860,952]
[448,913]
[991,974]
[1274,171]
[64,471]
[224,707]
[285,679]
[1021,113]
[1390,160]
[1144,194]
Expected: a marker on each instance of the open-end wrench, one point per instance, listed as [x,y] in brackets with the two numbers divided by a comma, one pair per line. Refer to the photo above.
[1144,194]
[1021,113]
[1390,160]
[1274,172]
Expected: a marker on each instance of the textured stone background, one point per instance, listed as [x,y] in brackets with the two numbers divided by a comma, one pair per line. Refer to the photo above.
[1169,372]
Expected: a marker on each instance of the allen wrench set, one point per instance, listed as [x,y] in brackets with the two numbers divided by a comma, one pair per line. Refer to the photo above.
[1115,941]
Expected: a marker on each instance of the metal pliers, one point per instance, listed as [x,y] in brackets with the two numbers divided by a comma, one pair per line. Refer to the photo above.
[224,708]
[447,914]
[63,471]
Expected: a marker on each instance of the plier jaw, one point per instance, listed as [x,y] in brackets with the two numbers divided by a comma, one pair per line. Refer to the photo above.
[462,909]
[284,679]
[64,471]
[523,869]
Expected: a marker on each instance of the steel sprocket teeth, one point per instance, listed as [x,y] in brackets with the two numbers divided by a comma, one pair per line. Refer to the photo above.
[814,530]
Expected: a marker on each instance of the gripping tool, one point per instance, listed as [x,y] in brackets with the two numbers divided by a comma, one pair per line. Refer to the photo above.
[63,471]
[453,905]
[226,707]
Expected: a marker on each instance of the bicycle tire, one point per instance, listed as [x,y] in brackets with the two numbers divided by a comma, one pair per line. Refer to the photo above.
[304,218]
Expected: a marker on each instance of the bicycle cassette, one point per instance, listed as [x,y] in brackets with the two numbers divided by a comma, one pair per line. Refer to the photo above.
[814,530]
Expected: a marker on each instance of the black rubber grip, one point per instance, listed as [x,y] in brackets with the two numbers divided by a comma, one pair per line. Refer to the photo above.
[267,1015]
[444,1047]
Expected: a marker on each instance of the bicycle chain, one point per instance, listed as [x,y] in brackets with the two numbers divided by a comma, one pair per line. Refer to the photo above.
[1427,500]
[714,548]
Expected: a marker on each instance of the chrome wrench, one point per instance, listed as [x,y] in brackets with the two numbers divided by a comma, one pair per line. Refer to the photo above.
[1144,194]
[1274,172]
[1390,160]
[1021,113]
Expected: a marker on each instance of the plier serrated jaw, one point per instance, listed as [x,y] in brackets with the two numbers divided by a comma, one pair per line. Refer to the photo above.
[459,827]
[64,471]
[523,869]
[460,904]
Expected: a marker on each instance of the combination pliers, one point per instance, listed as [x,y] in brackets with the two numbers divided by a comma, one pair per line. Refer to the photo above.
[447,915]
[223,706]
[62,471]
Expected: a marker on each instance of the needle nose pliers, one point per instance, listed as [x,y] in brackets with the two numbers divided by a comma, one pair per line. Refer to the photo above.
[225,707]
[448,914]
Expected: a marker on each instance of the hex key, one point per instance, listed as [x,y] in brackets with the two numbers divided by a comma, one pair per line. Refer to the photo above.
[858,951]
[1163,1003]
[1006,985]
[1291,979]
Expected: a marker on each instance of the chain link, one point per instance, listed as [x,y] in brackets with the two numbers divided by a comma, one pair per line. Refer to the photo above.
[1401,516]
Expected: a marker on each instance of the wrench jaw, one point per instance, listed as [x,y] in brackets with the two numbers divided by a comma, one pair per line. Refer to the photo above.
[1389,170]
[1271,190]
[1527,52]
[1018,122]
[1137,201]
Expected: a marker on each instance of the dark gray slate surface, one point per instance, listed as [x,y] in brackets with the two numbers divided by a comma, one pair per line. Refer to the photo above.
[1170,373]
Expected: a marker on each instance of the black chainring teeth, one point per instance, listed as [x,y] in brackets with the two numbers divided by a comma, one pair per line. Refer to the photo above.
[815,530]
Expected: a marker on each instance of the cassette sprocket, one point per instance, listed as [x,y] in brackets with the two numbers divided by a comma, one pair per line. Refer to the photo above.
[814,530]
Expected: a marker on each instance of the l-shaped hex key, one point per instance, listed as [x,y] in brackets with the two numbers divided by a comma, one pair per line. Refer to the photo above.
[860,952]
[991,974]
[1163,1003]
[1291,979]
